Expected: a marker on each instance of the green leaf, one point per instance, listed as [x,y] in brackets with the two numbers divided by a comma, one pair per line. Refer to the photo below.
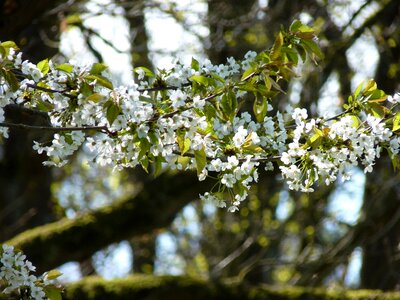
[183,142]
[44,106]
[144,146]
[86,89]
[11,79]
[370,87]
[247,73]
[260,108]
[396,121]
[302,52]
[113,110]
[53,293]
[201,160]
[275,52]
[277,86]
[294,27]
[97,68]
[356,121]
[313,47]
[145,164]
[74,19]
[395,160]
[96,97]
[315,140]
[147,72]
[43,66]
[247,86]
[358,90]
[229,104]
[101,80]
[305,28]
[158,168]
[202,80]
[377,110]
[195,64]
[53,274]
[377,96]
[67,68]
[9,44]
[291,55]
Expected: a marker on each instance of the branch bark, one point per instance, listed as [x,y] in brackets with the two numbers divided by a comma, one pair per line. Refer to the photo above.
[75,239]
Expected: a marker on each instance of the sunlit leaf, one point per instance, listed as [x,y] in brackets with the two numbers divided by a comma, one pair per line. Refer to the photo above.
[67,68]
[97,68]
[201,160]
[396,121]
[43,66]
[52,293]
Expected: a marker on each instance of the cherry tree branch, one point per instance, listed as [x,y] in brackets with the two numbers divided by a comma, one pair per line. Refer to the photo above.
[56,129]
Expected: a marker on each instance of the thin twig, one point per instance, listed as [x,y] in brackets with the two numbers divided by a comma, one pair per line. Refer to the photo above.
[50,128]
[163,88]
[36,87]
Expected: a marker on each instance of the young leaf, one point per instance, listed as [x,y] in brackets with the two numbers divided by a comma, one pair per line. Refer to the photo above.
[195,64]
[97,68]
[145,164]
[370,87]
[358,90]
[247,73]
[229,104]
[201,160]
[112,111]
[302,52]
[294,27]
[101,80]
[44,105]
[12,81]
[377,96]
[275,52]
[52,293]
[291,55]
[158,165]
[313,47]
[144,146]
[96,97]
[67,68]
[183,142]
[396,121]
[146,71]
[9,44]
[260,108]
[43,66]
[202,80]
[377,110]
[53,274]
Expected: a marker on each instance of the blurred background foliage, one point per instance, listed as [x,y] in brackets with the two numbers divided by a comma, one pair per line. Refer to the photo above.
[346,235]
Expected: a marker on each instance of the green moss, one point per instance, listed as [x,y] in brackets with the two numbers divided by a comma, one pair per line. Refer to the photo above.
[304,293]
[140,287]
[149,287]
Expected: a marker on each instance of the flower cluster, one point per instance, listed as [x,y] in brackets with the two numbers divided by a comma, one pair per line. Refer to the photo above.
[141,129]
[330,149]
[197,117]
[16,275]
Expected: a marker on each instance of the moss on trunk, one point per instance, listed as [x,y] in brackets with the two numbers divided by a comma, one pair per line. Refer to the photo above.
[180,288]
